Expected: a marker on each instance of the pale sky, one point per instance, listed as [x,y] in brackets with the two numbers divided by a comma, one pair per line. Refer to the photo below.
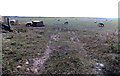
[60,8]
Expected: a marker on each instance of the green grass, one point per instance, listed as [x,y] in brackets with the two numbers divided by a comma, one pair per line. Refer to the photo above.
[69,57]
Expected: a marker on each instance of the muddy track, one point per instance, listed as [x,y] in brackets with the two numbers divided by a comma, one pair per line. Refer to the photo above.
[85,54]
[37,67]
[38,62]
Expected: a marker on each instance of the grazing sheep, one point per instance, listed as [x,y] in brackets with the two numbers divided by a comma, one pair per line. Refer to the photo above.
[66,23]
[101,24]
[12,22]
[16,22]
[95,21]
[19,23]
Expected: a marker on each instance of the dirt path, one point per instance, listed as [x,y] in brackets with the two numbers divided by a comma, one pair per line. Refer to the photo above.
[85,54]
[38,62]
[37,67]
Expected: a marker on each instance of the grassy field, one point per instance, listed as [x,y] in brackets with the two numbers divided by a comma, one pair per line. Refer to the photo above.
[79,47]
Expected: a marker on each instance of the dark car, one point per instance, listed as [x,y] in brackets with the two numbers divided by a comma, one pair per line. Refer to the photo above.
[5,27]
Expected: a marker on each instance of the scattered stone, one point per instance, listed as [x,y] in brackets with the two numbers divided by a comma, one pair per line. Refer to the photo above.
[99,65]
[99,69]
[18,67]
[14,71]
[27,63]
[38,53]
[36,70]
[27,69]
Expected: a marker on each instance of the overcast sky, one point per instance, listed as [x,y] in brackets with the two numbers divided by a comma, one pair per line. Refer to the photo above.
[60,8]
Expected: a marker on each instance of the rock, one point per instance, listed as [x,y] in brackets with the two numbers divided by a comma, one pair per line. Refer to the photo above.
[27,63]
[38,53]
[18,67]
[99,65]
[27,69]
[99,69]
[35,70]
